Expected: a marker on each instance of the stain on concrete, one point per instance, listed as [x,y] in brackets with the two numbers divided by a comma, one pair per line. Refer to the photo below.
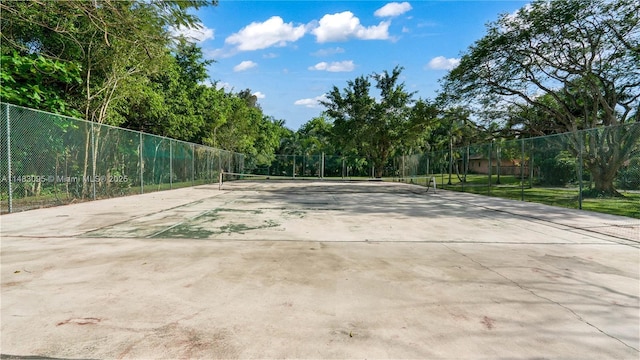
[488,322]
[80,321]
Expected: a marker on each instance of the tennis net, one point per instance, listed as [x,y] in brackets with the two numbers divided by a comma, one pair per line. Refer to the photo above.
[249,182]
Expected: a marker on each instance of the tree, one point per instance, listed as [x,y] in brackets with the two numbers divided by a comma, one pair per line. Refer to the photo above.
[114,42]
[582,56]
[172,102]
[290,143]
[457,125]
[270,132]
[315,136]
[117,45]
[453,129]
[374,128]
[423,118]
[37,82]
[235,122]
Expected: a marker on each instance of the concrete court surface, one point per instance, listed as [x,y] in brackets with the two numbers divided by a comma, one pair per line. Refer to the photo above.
[318,270]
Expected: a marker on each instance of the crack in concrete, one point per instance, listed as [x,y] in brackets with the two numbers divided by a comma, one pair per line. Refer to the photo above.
[543,297]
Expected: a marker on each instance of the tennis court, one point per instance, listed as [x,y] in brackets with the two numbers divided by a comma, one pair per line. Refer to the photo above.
[318,269]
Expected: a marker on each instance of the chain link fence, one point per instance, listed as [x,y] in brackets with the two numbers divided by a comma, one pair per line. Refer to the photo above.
[576,170]
[48,159]
[315,166]
[570,170]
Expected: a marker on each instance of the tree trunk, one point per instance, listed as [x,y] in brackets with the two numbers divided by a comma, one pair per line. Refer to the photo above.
[603,177]
[605,151]
[380,159]
[457,167]
[378,166]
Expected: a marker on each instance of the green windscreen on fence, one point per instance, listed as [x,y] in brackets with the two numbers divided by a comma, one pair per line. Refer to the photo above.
[573,170]
[48,159]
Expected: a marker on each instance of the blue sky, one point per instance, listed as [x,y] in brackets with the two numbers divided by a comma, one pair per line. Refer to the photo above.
[290,53]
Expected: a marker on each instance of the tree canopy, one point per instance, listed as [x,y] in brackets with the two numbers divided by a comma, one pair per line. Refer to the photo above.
[374,127]
[117,63]
[573,61]
[583,54]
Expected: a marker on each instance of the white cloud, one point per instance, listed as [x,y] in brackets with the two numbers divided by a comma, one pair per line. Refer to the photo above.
[328,52]
[344,25]
[259,95]
[223,85]
[335,66]
[442,63]
[313,102]
[273,32]
[393,9]
[198,33]
[245,65]
[216,54]
[270,56]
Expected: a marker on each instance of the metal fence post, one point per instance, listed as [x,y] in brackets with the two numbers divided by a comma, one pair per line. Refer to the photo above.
[531,172]
[220,165]
[141,166]
[498,162]
[9,177]
[93,161]
[428,158]
[522,173]
[581,145]
[193,164]
[465,165]
[210,164]
[450,159]
[490,156]
[170,164]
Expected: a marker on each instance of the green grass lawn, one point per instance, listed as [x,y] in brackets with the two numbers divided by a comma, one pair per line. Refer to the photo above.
[509,188]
